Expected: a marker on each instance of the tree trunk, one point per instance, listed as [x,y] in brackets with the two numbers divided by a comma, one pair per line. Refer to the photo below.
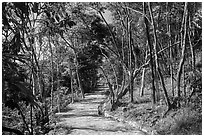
[157,87]
[130,51]
[183,45]
[170,50]
[52,74]
[70,69]
[122,88]
[115,75]
[31,119]
[156,59]
[77,64]
[143,77]
[191,46]
[150,52]
[72,90]
[33,89]
[142,83]
[58,86]
[131,89]
[24,119]
[112,96]
[184,85]
[78,77]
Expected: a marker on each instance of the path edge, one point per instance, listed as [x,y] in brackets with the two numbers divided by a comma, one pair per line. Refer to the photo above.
[146,130]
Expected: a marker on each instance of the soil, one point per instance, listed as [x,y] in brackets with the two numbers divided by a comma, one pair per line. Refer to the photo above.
[83,119]
[138,118]
[186,120]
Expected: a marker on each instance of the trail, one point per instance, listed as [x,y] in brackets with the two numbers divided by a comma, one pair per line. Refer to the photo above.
[83,119]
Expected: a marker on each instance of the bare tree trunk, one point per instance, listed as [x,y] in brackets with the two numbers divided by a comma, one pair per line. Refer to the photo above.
[33,89]
[170,50]
[78,77]
[120,90]
[52,73]
[184,85]
[129,33]
[31,119]
[183,44]
[72,90]
[151,56]
[112,96]
[131,88]
[142,82]
[143,77]
[58,86]
[70,69]
[77,65]
[117,53]
[191,46]
[157,87]
[36,77]
[24,119]
[115,75]
[156,59]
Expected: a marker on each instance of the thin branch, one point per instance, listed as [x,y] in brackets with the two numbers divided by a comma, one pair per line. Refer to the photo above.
[140,13]
[113,36]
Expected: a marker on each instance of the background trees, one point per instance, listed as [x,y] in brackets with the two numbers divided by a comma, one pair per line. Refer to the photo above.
[54,53]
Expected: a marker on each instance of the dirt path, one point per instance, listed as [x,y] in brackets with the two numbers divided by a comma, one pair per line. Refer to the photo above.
[83,119]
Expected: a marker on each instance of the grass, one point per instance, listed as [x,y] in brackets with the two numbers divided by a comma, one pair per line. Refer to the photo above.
[60,130]
[184,121]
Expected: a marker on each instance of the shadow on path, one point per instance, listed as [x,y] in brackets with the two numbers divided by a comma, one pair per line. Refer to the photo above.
[78,115]
[83,119]
[97,129]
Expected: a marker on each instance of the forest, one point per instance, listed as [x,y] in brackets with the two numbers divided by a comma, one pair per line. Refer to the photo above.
[145,56]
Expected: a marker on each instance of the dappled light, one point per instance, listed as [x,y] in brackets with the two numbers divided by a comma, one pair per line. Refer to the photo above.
[101,68]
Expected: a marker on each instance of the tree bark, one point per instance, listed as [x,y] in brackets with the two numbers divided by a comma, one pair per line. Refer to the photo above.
[191,46]
[52,73]
[24,119]
[70,69]
[183,45]
[143,77]
[112,96]
[58,86]
[151,56]
[170,49]
[156,59]
[129,36]
[77,64]
[78,77]
[142,82]
[31,119]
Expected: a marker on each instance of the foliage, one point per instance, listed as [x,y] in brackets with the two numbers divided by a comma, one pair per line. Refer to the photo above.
[49,46]
[17,90]
[89,60]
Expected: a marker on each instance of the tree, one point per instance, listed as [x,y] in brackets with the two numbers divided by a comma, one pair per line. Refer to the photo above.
[156,60]
[151,56]
[183,43]
[17,43]
[127,56]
